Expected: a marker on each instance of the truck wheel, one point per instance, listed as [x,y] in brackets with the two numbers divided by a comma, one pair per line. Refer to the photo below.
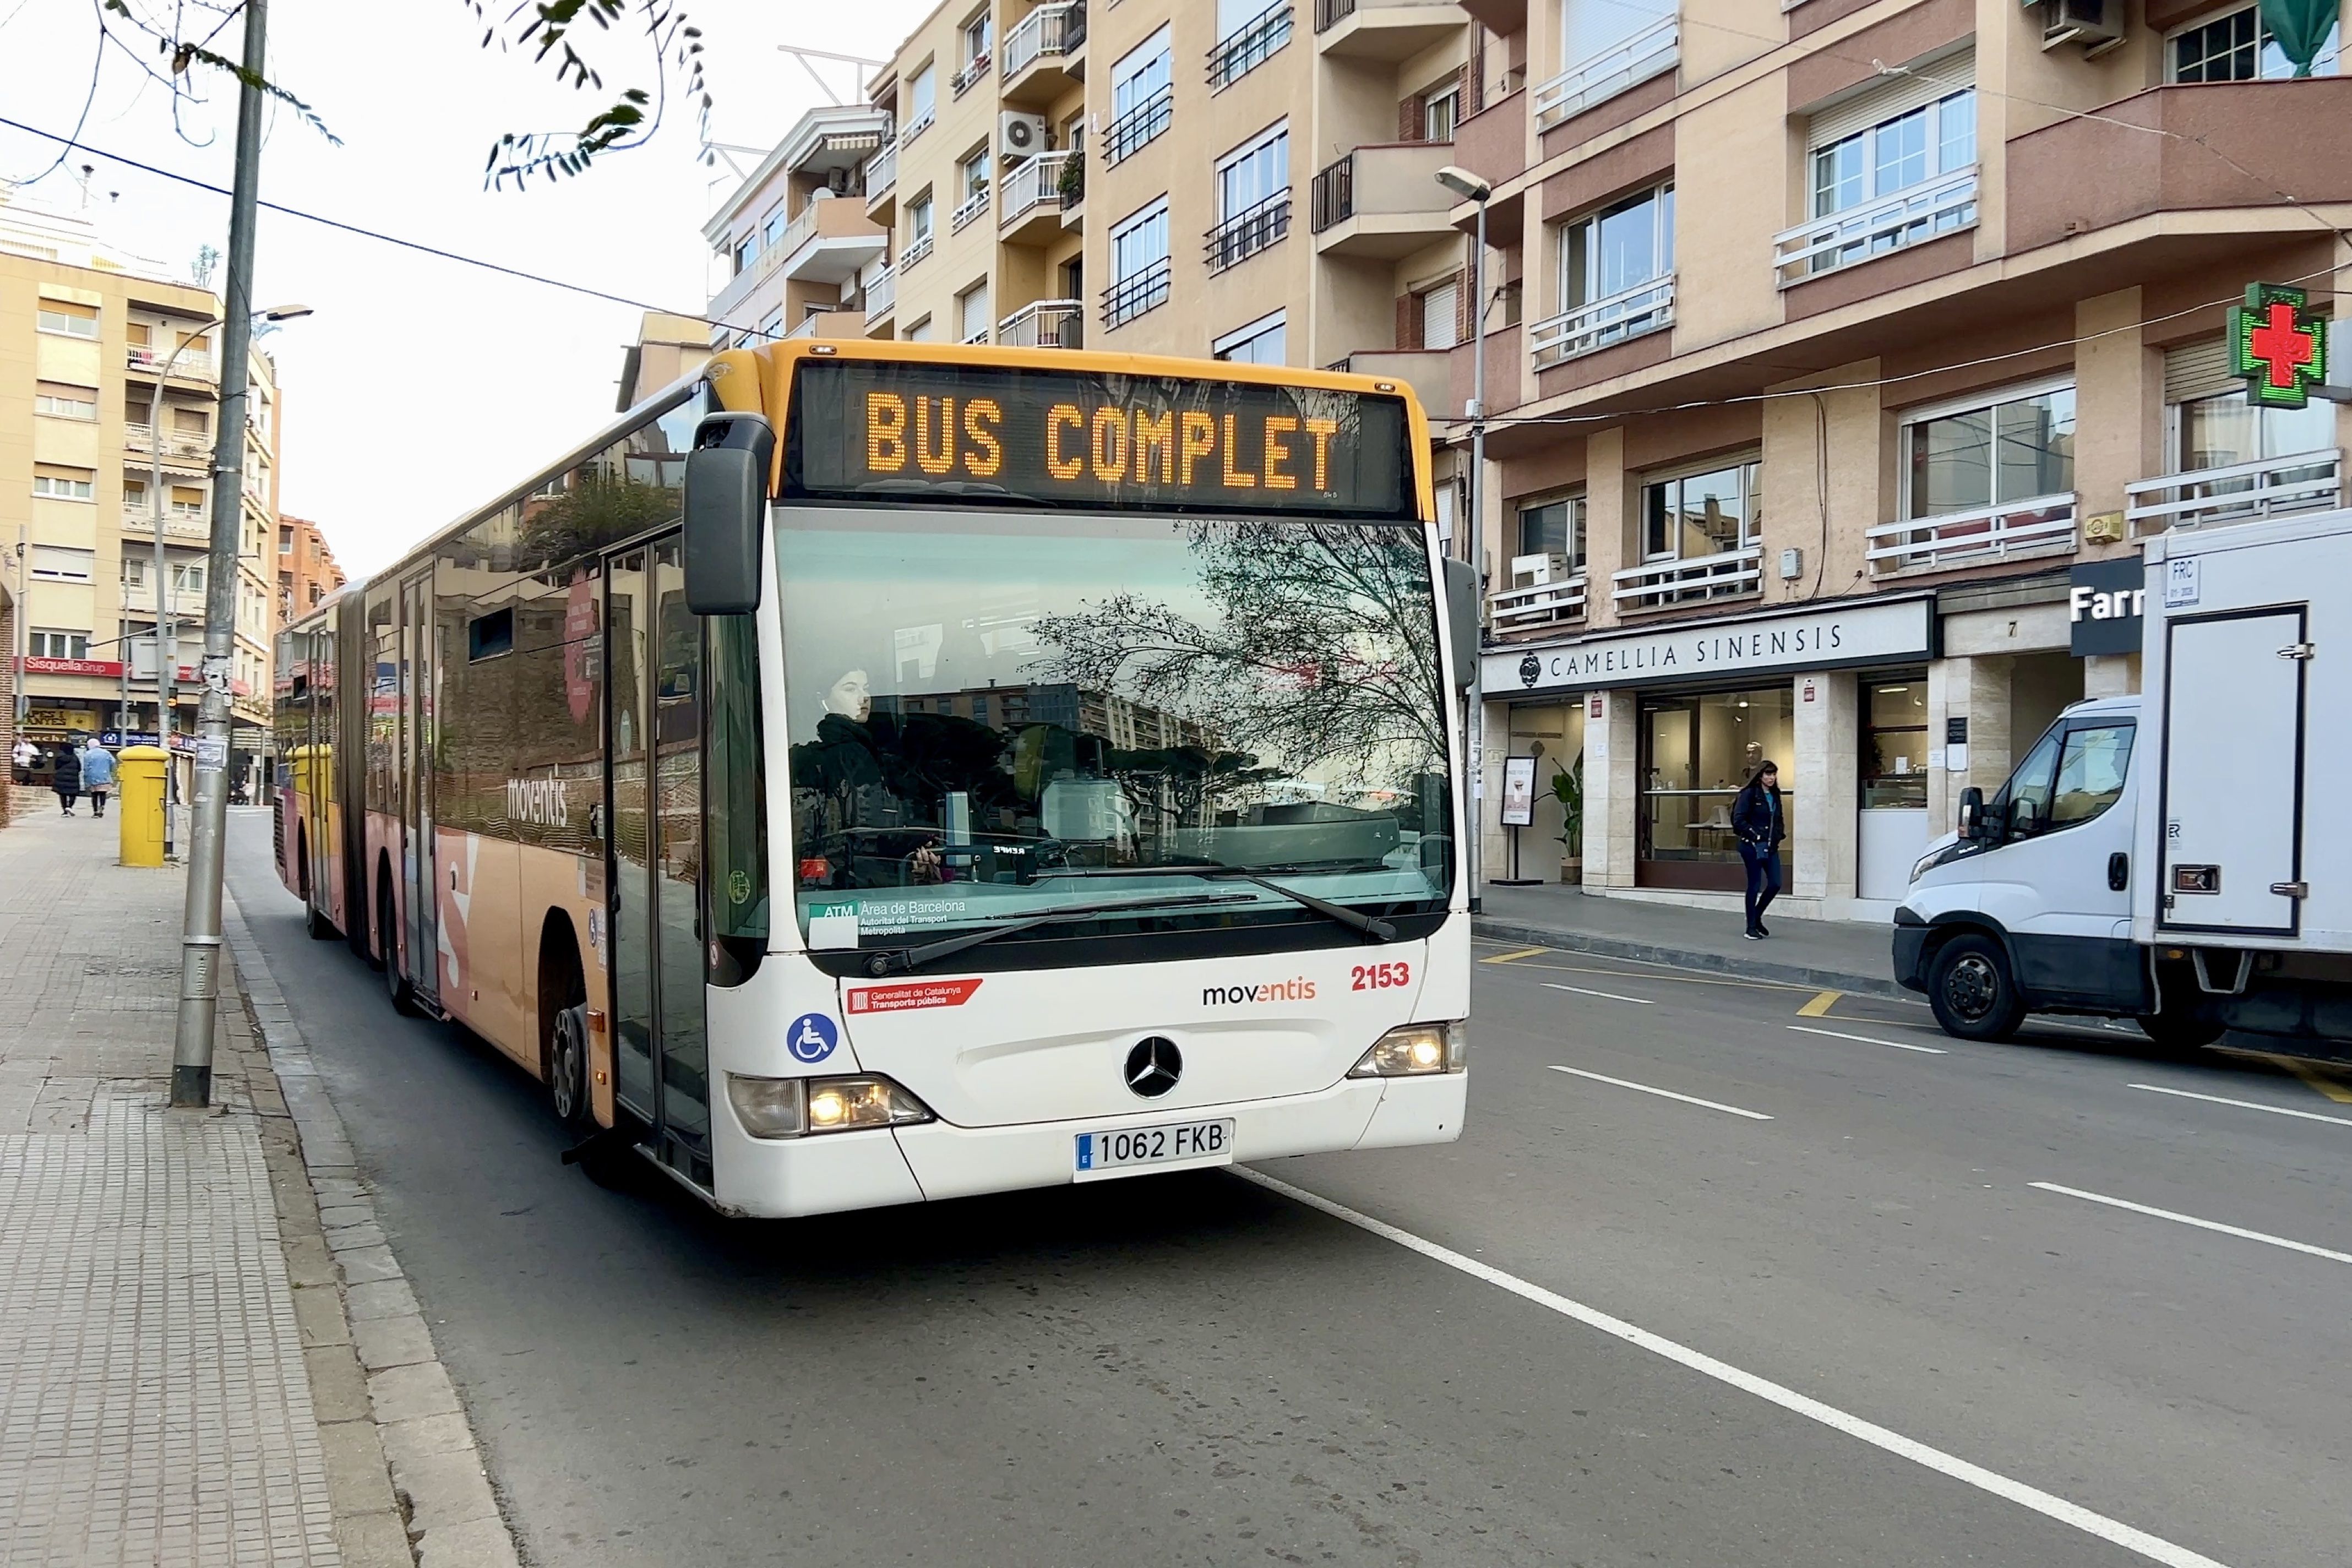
[2178,1030]
[1972,991]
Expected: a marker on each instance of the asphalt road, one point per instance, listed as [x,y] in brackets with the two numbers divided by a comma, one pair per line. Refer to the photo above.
[1918,1357]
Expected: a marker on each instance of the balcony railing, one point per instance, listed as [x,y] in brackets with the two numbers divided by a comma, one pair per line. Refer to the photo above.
[1035,184]
[1334,193]
[1249,47]
[971,339]
[2236,493]
[1653,51]
[917,248]
[971,207]
[1047,324]
[177,524]
[881,171]
[1546,603]
[1646,307]
[973,69]
[881,294]
[1136,293]
[1945,205]
[1046,32]
[915,127]
[1330,14]
[192,366]
[1139,127]
[1249,231]
[2042,525]
[1725,574]
[177,443]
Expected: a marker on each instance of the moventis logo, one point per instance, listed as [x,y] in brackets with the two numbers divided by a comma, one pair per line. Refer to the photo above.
[1300,989]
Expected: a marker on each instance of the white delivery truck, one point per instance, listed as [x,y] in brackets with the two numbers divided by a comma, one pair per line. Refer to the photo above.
[2184,856]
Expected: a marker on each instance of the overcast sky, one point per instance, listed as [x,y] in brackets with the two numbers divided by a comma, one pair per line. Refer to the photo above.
[422,387]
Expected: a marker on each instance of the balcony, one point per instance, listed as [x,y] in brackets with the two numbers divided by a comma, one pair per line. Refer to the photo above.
[2238,493]
[1928,210]
[1657,585]
[1653,51]
[964,80]
[187,367]
[881,295]
[1384,29]
[1249,46]
[1647,307]
[1383,201]
[182,445]
[827,243]
[971,207]
[880,177]
[1033,198]
[1047,324]
[1131,296]
[829,324]
[1553,595]
[1429,372]
[1248,232]
[1043,54]
[1139,128]
[917,248]
[2013,531]
[915,127]
[177,524]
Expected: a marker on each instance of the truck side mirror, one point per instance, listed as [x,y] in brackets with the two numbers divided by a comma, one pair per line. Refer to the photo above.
[1462,615]
[1972,813]
[2024,817]
[727,512]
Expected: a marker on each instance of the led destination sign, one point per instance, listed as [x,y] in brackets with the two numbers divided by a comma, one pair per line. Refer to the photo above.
[1162,443]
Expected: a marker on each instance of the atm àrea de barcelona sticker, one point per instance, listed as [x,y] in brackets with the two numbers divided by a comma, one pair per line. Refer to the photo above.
[811,1038]
[908,997]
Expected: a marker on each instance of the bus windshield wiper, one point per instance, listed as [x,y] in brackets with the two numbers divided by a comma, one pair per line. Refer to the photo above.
[1357,920]
[906,958]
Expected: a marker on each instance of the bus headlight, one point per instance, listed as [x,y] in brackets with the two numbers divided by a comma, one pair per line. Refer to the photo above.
[1416,1050]
[795,1107]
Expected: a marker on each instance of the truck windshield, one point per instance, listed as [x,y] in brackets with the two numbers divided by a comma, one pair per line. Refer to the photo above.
[989,710]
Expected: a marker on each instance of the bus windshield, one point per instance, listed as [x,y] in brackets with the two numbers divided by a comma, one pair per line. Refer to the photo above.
[993,713]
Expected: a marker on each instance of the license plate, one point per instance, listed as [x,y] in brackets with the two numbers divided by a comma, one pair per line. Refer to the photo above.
[1133,1149]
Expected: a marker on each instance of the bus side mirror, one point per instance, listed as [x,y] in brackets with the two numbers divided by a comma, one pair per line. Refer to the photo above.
[1462,618]
[1972,813]
[727,512]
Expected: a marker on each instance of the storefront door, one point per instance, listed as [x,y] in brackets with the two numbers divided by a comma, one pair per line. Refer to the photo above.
[1892,829]
[1696,750]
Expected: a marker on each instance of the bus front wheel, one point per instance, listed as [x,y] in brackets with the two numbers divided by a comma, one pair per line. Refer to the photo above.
[567,1071]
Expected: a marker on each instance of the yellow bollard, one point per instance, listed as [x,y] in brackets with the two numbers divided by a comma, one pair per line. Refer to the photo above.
[139,801]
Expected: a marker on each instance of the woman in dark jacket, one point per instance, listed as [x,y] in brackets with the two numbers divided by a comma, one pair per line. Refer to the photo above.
[66,780]
[1760,823]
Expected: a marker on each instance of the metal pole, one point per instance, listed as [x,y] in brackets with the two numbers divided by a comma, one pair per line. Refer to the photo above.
[200,939]
[1474,553]
[167,630]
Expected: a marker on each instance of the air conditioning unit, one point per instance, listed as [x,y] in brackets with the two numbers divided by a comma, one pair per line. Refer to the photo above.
[1539,571]
[1020,136]
[2097,25]
[841,181]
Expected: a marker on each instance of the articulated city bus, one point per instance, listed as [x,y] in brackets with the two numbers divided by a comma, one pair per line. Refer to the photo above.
[875,772]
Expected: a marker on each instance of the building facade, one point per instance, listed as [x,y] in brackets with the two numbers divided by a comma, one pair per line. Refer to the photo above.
[108,375]
[307,572]
[1857,334]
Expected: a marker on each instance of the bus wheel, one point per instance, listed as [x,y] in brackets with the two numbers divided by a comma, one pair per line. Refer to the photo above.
[1972,991]
[315,921]
[396,984]
[567,1072]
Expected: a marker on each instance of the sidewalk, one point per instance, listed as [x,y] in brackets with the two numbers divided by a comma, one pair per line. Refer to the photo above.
[180,1378]
[1839,955]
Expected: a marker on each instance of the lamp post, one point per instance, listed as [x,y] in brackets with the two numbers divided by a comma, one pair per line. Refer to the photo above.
[1471,188]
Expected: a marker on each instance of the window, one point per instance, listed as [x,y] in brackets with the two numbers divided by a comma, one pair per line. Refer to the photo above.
[1260,342]
[2239,48]
[1897,153]
[1248,34]
[60,645]
[972,172]
[63,316]
[62,401]
[188,577]
[1139,261]
[190,421]
[2213,426]
[1439,113]
[1894,742]
[972,321]
[1616,250]
[63,484]
[60,564]
[2091,768]
[772,326]
[486,636]
[134,572]
[187,501]
[918,221]
[1703,514]
[1142,101]
[1554,528]
[1591,28]
[1252,198]
[976,38]
[922,332]
[922,103]
[2007,448]
[747,250]
[1437,314]
[285,541]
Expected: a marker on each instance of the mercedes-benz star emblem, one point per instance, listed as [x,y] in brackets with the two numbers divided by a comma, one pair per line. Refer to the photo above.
[1154,1066]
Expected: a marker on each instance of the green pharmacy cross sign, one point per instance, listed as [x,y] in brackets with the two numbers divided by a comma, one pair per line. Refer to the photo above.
[2278,346]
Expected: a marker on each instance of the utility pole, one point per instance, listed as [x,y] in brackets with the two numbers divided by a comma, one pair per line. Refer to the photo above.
[200,937]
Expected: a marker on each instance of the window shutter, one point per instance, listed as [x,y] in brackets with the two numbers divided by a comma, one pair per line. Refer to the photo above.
[2198,370]
[1409,117]
[1408,322]
[1441,314]
[1884,100]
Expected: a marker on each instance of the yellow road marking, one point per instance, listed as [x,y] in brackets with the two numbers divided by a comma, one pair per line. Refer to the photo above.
[1508,957]
[1819,1008]
[2315,1076]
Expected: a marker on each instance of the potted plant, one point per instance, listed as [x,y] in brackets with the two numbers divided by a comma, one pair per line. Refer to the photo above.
[1073,182]
[1568,788]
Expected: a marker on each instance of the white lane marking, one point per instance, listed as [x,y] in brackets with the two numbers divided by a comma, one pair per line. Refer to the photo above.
[2192,1219]
[1610,995]
[1665,1093]
[2247,1104]
[1865,1040]
[2113,1531]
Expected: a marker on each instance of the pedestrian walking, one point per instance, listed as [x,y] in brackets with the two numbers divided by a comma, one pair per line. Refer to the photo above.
[97,776]
[66,777]
[24,756]
[1761,825]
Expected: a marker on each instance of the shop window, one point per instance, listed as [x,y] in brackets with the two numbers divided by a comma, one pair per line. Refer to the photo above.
[1697,515]
[1894,743]
[1996,451]
[1697,751]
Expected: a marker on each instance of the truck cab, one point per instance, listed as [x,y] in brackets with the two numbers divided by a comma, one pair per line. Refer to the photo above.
[2028,906]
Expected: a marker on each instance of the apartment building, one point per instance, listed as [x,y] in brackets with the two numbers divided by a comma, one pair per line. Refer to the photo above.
[307,572]
[1857,334]
[109,377]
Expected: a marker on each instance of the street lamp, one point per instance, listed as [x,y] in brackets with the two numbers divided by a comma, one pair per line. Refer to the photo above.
[1471,188]
[167,646]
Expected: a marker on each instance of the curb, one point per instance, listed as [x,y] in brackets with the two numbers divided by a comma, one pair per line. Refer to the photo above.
[406,1476]
[1683,958]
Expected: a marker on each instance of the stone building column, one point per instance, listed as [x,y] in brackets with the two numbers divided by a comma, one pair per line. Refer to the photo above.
[1823,833]
[1610,785]
[1976,689]
[2111,675]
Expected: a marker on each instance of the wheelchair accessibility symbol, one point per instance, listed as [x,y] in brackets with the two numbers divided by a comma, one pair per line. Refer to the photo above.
[813,1037]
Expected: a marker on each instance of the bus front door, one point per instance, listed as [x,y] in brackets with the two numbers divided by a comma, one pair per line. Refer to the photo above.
[653,696]
[419,879]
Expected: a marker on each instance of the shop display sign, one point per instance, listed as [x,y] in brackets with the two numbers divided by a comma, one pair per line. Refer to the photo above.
[1840,636]
[2105,601]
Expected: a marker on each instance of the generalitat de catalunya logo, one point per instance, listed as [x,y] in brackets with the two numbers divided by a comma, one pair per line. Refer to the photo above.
[1299,989]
